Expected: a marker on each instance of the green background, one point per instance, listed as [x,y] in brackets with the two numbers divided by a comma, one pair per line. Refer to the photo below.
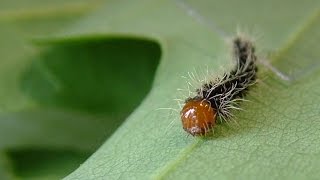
[75,75]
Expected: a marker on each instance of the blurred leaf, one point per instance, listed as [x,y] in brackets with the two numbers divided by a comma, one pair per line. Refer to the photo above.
[79,92]
[44,164]
[6,172]
[64,96]
[54,129]
[41,17]
[100,78]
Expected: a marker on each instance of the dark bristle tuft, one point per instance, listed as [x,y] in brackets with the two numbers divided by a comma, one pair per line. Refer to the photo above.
[235,84]
[217,98]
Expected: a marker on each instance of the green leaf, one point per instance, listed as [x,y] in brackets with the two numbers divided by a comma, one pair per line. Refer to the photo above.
[5,169]
[74,96]
[277,136]
[42,17]
[59,97]
[44,164]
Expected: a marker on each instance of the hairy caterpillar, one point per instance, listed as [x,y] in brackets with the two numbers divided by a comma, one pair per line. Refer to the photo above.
[218,97]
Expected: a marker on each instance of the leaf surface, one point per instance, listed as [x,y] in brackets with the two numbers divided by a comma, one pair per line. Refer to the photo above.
[277,135]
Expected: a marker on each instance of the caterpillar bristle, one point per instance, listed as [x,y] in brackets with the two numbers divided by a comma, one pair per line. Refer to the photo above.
[223,93]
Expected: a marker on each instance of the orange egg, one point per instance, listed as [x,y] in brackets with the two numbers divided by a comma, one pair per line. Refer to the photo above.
[198,117]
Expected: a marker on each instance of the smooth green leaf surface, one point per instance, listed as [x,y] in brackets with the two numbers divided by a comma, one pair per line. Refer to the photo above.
[74,88]
[277,135]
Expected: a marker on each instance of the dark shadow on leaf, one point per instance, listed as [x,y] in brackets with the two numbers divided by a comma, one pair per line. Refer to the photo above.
[41,163]
[108,76]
